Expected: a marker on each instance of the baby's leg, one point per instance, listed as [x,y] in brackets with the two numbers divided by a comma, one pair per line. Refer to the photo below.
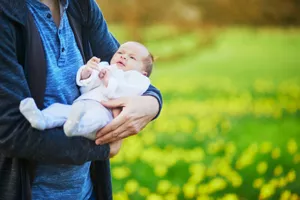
[72,124]
[93,116]
[53,116]
[31,112]
[56,115]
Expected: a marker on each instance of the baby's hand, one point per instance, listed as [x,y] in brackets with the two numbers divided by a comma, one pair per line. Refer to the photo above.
[104,76]
[90,65]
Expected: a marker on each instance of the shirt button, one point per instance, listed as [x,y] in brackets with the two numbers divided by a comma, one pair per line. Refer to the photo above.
[63,49]
[49,15]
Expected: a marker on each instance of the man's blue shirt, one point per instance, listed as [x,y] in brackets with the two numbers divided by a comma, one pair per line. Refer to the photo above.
[63,59]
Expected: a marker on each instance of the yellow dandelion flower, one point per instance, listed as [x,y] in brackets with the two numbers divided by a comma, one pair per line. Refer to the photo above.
[297,158]
[160,170]
[144,191]
[185,125]
[263,86]
[195,178]
[247,156]
[230,197]
[131,186]
[282,182]
[196,154]
[133,148]
[163,186]
[189,190]
[148,138]
[276,153]
[262,167]
[171,197]
[266,191]
[120,172]
[236,180]
[175,190]
[294,197]
[204,189]
[285,195]
[274,182]
[204,197]
[121,196]
[291,176]
[225,126]
[266,147]
[292,146]
[230,150]
[197,168]
[257,183]
[212,171]
[215,147]
[278,170]
[155,197]
[217,184]
[224,168]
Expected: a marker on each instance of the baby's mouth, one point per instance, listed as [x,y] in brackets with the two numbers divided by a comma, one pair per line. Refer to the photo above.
[120,64]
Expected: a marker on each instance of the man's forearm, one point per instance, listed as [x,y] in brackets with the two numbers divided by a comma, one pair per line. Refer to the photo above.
[50,146]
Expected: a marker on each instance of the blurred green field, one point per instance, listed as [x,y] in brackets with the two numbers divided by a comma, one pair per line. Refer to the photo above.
[229,128]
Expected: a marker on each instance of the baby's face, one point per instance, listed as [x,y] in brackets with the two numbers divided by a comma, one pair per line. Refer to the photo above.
[130,56]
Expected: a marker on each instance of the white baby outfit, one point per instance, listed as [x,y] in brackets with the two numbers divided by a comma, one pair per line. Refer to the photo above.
[87,115]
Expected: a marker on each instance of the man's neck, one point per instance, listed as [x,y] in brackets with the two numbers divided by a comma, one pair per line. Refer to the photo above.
[54,6]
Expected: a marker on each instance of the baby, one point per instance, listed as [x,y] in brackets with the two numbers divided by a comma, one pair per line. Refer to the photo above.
[127,75]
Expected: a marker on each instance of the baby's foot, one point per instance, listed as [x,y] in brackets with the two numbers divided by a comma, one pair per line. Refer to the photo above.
[71,127]
[31,112]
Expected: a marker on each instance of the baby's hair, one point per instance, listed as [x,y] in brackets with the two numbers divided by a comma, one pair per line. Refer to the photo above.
[148,62]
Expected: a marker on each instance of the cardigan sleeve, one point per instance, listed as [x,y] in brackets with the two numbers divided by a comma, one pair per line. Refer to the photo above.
[17,137]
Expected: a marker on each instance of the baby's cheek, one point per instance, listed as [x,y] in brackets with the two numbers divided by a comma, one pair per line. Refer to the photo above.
[112,61]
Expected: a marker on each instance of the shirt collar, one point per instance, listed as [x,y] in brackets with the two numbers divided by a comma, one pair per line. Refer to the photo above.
[63,4]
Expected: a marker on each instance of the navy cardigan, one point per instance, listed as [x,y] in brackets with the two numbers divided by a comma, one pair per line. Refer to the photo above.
[22,74]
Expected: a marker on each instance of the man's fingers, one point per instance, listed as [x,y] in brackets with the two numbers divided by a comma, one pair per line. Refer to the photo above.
[112,126]
[125,134]
[115,103]
[110,138]
[107,137]
[127,129]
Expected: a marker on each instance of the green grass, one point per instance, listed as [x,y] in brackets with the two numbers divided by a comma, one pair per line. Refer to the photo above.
[256,71]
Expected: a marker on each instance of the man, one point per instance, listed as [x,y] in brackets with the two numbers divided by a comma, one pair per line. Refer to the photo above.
[60,32]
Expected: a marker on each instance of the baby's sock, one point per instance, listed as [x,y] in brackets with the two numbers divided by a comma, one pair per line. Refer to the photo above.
[71,127]
[31,112]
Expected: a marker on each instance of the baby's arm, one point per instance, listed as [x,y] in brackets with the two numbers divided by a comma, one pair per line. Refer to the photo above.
[88,68]
[87,75]
[104,76]
[129,83]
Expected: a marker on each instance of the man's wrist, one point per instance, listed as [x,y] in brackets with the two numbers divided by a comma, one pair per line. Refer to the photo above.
[154,103]
[158,101]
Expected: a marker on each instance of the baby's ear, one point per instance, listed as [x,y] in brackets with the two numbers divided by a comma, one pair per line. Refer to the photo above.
[155,58]
[145,73]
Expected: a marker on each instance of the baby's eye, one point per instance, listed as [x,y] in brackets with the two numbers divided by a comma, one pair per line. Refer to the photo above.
[132,57]
[119,52]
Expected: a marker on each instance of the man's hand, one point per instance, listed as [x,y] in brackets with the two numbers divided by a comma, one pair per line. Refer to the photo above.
[90,65]
[114,148]
[136,113]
